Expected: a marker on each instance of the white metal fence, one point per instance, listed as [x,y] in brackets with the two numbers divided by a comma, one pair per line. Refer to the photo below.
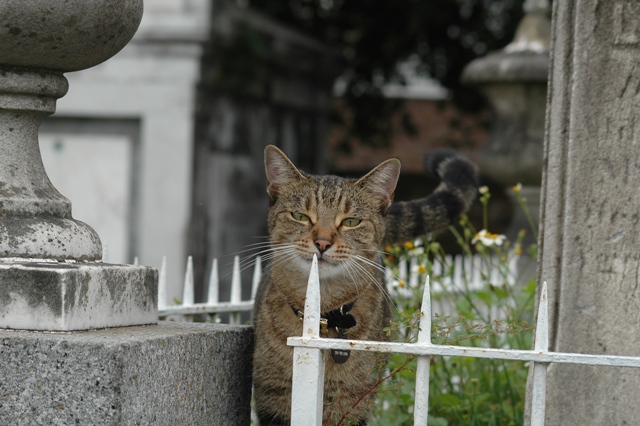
[235,306]
[310,349]
[475,271]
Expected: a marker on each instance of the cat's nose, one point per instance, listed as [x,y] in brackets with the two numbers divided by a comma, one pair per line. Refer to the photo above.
[322,244]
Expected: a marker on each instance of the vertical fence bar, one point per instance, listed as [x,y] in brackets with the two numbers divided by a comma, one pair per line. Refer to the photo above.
[308,363]
[236,290]
[187,291]
[421,406]
[162,284]
[414,275]
[213,292]
[540,368]
[402,269]
[257,276]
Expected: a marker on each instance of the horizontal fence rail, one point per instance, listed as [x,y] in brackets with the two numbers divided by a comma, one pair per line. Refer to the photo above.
[475,272]
[309,364]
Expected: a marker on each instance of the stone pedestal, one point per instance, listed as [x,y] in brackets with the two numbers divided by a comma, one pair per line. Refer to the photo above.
[76,296]
[590,210]
[166,374]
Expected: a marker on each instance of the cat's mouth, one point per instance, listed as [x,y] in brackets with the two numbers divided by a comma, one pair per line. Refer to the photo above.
[327,266]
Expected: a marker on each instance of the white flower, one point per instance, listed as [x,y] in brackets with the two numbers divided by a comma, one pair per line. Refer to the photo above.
[483,189]
[416,251]
[400,288]
[419,269]
[488,239]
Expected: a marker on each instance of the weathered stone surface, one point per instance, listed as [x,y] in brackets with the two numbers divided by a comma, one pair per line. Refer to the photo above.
[65,35]
[76,296]
[167,374]
[591,209]
[35,219]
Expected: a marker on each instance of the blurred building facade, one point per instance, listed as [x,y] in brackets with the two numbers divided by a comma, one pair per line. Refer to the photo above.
[160,148]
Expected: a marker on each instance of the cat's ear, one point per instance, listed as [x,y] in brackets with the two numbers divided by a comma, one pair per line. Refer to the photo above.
[280,170]
[382,181]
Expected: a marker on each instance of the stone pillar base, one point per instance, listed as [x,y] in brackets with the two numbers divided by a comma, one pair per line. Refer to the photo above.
[166,374]
[59,296]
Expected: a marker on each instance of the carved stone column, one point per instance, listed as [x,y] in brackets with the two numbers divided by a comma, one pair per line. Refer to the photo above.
[591,209]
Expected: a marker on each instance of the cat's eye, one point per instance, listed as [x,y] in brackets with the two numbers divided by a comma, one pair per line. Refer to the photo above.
[300,217]
[350,222]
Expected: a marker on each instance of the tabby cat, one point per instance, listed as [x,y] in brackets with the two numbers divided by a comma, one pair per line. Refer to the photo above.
[344,222]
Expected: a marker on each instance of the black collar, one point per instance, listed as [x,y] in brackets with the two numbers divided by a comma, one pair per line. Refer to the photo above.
[339,318]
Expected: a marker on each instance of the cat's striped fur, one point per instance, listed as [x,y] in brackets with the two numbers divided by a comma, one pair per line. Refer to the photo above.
[343,222]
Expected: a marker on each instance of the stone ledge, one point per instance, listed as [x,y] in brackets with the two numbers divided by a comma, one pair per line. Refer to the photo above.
[165,374]
[76,296]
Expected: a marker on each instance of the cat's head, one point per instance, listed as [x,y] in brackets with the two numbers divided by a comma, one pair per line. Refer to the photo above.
[339,220]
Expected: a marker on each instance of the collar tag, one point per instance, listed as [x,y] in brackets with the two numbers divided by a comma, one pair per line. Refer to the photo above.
[340,356]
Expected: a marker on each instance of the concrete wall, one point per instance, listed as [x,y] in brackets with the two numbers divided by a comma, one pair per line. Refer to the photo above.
[166,374]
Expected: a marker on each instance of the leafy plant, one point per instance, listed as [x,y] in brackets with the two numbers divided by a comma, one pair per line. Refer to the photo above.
[494,311]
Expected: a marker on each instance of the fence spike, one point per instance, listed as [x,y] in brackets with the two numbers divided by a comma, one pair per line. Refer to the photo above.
[421,405]
[311,324]
[236,282]
[236,289]
[414,276]
[309,363]
[162,284]
[458,267]
[402,269]
[213,294]
[478,267]
[187,293]
[257,275]
[542,324]
[541,344]
[424,334]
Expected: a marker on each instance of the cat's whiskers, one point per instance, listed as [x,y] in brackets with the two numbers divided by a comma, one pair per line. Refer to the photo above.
[355,259]
[355,279]
[268,252]
[280,256]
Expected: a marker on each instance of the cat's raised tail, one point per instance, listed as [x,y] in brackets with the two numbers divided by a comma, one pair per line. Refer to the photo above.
[408,220]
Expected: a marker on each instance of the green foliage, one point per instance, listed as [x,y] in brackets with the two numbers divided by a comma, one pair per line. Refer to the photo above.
[463,391]
[373,36]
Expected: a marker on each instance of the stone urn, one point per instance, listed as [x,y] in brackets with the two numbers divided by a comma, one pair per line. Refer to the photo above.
[39,41]
[51,274]
[514,80]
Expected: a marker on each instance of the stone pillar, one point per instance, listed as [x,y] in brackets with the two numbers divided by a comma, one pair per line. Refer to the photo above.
[51,276]
[590,212]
